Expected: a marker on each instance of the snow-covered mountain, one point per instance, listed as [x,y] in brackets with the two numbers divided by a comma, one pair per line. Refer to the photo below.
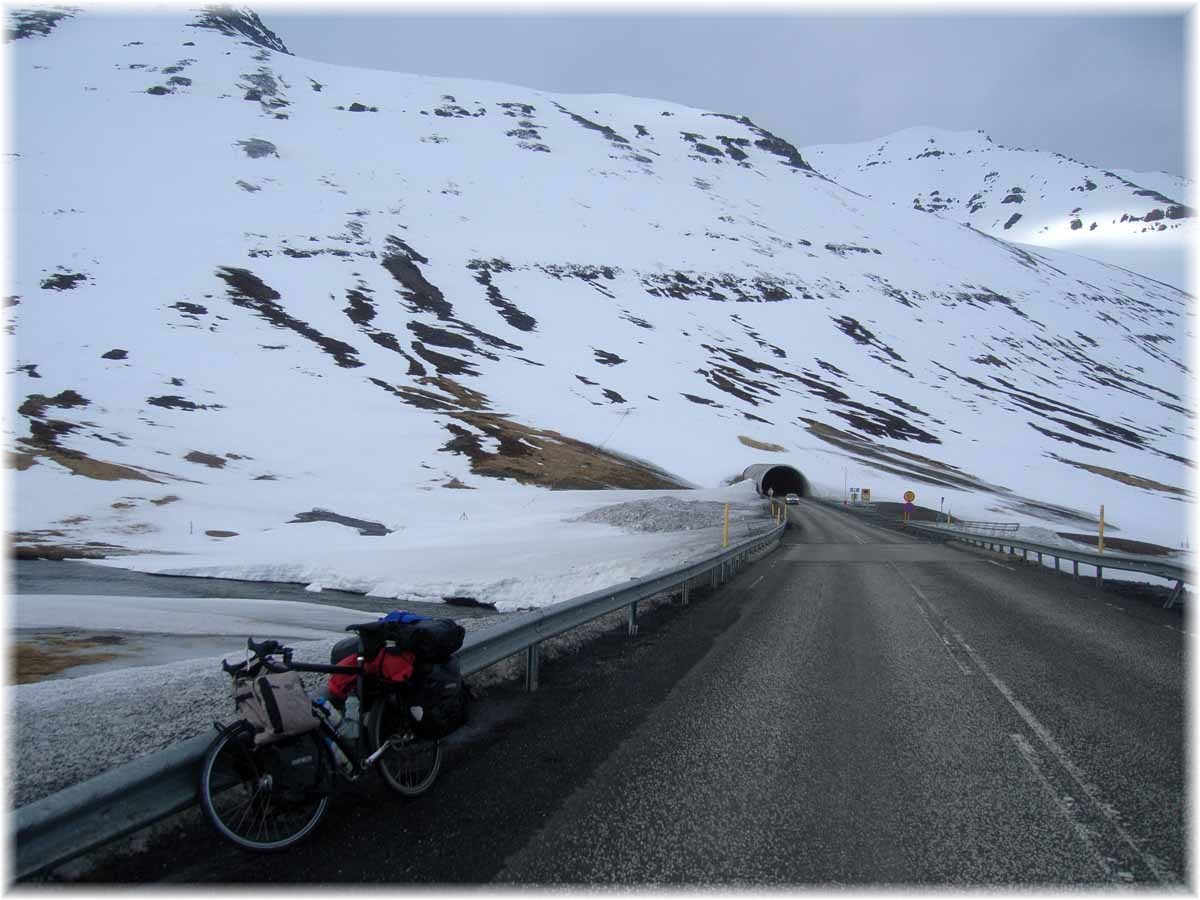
[1139,220]
[248,286]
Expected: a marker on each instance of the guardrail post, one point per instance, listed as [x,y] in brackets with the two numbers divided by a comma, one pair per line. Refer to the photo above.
[1099,576]
[1175,592]
[1075,574]
[1025,554]
[633,626]
[685,592]
[1056,566]
[1039,553]
[531,666]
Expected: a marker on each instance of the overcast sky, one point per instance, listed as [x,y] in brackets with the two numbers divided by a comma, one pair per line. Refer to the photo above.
[1109,90]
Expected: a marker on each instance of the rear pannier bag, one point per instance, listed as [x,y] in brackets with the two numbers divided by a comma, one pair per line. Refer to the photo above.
[275,704]
[431,639]
[441,695]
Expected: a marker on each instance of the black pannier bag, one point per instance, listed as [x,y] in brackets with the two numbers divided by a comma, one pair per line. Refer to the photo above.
[431,639]
[299,768]
[440,693]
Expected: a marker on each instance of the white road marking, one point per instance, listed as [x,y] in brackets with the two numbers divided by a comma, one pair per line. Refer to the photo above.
[1069,810]
[1043,733]
[946,645]
[757,580]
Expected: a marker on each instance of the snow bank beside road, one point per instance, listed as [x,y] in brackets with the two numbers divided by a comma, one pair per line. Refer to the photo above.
[506,549]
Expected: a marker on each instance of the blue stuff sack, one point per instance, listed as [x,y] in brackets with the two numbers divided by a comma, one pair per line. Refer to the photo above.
[403,616]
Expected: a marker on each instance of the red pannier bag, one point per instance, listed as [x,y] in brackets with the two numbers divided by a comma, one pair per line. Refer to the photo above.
[388,665]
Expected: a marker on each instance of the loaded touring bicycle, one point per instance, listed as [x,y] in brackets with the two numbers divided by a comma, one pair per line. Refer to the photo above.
[267,778]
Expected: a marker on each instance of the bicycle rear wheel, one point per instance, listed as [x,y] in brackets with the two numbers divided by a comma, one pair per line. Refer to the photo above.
[264,797]
[412,763]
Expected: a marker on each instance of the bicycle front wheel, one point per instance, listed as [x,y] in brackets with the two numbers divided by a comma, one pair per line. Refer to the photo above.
[264,797]
[411,763]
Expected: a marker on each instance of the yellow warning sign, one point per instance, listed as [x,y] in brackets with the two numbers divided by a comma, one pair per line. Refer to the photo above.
[909,496]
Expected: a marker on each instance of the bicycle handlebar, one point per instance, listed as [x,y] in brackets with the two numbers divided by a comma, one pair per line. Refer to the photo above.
[262,658]
[266,648]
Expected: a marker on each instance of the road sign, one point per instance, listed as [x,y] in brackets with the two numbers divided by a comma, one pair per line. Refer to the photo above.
[909,496]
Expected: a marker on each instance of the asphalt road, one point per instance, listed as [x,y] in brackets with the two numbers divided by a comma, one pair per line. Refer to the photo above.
[860,708]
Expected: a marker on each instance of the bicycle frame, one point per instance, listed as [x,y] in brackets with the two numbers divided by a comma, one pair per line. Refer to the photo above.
[356,752]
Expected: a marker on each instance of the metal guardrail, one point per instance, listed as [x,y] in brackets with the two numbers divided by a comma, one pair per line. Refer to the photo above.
[986,527]
[89,815]
[1100,561]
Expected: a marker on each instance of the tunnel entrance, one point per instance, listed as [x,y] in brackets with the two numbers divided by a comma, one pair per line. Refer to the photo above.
[781,480]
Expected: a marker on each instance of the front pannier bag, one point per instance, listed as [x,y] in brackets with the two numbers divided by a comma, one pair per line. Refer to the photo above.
[275,703]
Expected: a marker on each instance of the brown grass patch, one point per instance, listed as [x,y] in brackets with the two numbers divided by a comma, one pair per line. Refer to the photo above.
[31,661]
[205,459]
[899,462]
[455,483]
[41,545]
[163,501]
[550,459]
[465,396]
[1125,545]
[760,445]
[82,464]
[21,461]
[1123,477]
[221,534]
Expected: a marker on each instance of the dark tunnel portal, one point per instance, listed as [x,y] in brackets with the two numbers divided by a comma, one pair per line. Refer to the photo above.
[781,480]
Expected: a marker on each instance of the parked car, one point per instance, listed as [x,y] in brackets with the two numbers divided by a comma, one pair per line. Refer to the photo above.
[791,499]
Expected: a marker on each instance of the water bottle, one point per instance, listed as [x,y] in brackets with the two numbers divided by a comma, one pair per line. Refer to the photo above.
[332,716]
[340,757]
[350,722]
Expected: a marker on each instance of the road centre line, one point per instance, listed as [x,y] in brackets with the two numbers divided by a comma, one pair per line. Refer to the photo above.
[946,645]
[1069,810]
[1077,775]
